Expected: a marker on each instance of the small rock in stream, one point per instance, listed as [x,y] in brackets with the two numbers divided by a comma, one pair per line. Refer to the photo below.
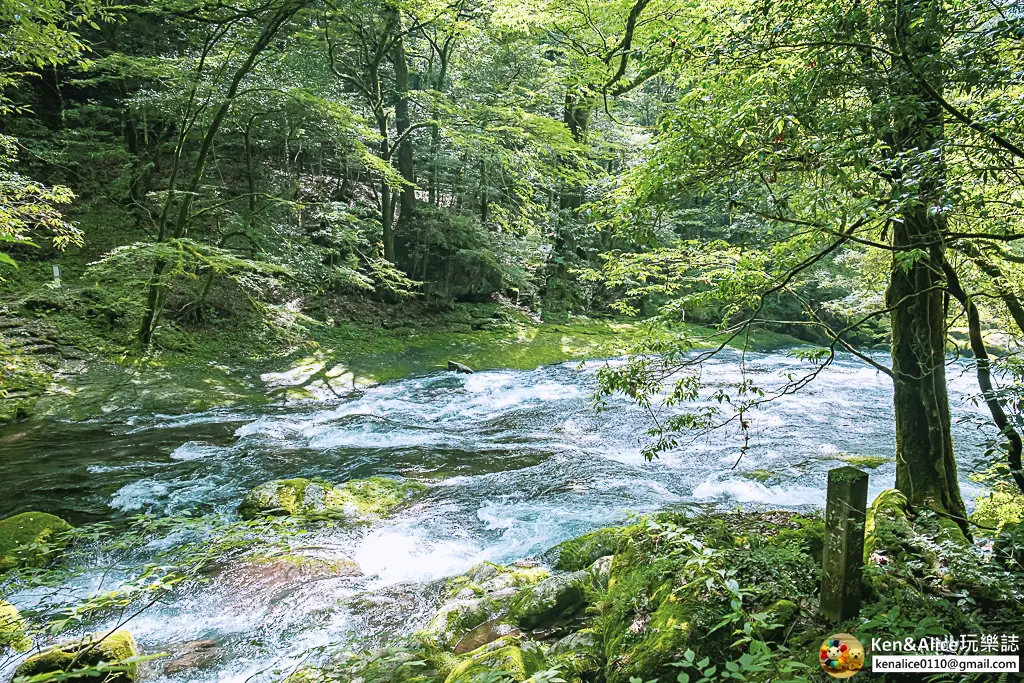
[194,655]
[459,367]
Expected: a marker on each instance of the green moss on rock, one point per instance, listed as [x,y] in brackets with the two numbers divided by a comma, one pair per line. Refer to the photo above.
[871,462]
[88,652]
[577,657]
[359,499]
[646,637]
[375,497]
[550,601]
[31,539]
[12,629]
[581,552]
[518,659]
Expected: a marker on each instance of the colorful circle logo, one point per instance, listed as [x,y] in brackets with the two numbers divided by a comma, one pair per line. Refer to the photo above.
[841,655]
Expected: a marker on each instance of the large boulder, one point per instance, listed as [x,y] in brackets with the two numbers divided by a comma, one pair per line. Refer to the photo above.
[12,629]
[458,617]
[550,601]
[31,539]
[356,500]
[91,651]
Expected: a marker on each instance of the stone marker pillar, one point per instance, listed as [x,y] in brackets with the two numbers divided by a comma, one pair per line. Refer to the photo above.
[843,555]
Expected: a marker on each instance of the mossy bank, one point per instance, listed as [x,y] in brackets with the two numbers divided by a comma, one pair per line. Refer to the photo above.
[673,597]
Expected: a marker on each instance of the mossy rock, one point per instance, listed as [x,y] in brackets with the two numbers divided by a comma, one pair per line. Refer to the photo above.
[516,658]
[655,607]
[456,618]
[577,656]
[356,500]
[88,652]
[12,629]
[871,462]
[644,643]
[581,552]
[551,601]
[482,594]
[31,539]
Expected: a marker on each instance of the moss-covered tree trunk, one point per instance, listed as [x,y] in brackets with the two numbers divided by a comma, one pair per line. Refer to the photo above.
[926,469]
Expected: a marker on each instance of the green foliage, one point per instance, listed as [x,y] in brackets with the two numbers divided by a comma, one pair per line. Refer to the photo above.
[28,208]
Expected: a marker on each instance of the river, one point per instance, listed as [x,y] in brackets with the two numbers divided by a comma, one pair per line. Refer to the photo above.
[515,461]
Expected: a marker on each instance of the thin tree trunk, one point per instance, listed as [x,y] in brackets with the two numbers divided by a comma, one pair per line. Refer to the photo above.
[156,291]
[402,123]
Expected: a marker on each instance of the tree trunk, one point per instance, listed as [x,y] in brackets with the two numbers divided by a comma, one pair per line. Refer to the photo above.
[926,469]
[402,123]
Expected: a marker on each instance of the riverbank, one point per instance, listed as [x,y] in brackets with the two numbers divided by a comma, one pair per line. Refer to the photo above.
[59,363]
[672,596]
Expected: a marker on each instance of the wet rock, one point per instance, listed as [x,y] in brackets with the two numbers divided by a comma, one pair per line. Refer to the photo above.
[287,571]
[356,500]
[12,629]
[457,618]
[465,594]
[580,640]
[482,594]
[482,572]
[111,648]
[31,539]
[197,654]
[485,633]
[550,601]
[459,367]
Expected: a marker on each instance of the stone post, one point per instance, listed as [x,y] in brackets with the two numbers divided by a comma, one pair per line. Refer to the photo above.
[843,555]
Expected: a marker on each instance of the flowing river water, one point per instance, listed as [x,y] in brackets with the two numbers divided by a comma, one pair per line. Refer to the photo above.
[515,462]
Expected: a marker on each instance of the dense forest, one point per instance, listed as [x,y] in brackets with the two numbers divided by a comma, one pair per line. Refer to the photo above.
[284,206]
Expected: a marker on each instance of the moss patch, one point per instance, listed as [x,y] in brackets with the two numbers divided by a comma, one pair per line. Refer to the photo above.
[758,475]
[31,539]
[356,500]
[517,659]
[89,652]
[871,462]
